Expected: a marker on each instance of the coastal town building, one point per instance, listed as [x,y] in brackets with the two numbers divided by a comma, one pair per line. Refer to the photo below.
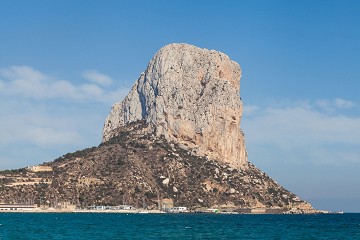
[66,206]
[17,207]
[39,169]
[212,210]
[166,203]
[103,208]
[177,210]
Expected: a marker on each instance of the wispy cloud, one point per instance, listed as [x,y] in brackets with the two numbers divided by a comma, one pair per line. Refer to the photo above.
[334,104]
[37,131]
[44,124]
[35,118]
[51,136]
[250,109]
[306,132]
[25,81]
[97,77]
[341,103]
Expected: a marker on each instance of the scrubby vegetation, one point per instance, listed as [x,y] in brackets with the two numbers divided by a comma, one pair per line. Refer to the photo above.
[137,168]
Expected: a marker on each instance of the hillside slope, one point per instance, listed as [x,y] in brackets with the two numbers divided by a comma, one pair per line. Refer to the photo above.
[138,168]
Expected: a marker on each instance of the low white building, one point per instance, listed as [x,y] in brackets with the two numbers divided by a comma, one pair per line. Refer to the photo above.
[103,208]
[17,207]
[177,209]
[125,207]
[39,169]
[66,206]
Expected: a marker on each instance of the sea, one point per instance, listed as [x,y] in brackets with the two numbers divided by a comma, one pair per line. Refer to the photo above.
[177,226]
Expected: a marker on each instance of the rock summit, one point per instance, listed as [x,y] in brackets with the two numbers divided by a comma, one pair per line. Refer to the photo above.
[192,97]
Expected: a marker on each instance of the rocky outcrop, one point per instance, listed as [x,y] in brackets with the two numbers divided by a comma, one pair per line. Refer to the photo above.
[175,137]
[192,97]
[138,168]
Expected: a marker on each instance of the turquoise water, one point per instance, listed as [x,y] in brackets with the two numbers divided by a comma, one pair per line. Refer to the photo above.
[177,226]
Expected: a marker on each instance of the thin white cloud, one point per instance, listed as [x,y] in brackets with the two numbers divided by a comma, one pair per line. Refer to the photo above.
[334,104]
[38,126]
[323,104]
[92,90]
[250,109]
[63,89]
[50,137]
[115,96]
[342,103]
[21,72]
[24,81]
[97,77]
[305,133]
[44,129]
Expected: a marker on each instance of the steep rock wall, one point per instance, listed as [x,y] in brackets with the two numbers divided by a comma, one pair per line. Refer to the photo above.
[191,96]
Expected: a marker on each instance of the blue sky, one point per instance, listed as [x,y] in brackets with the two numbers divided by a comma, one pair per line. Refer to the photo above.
[64,63]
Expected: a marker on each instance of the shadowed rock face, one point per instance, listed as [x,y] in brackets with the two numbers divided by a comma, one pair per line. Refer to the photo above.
[192,97]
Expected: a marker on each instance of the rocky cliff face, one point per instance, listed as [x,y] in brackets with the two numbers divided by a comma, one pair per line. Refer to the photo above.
[191,96]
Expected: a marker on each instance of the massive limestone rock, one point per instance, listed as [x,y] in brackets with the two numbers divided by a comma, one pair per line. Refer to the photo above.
[191,96]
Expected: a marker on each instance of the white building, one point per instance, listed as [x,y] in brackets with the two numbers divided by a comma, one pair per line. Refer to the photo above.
[17,207]
[177,209]
[39,169]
